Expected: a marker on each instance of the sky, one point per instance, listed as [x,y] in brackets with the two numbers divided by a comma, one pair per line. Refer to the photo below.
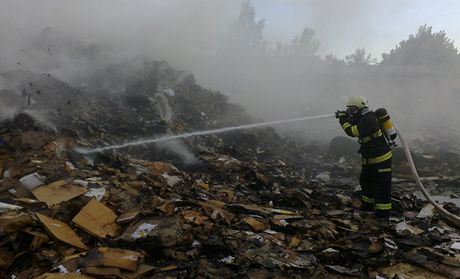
[342,26]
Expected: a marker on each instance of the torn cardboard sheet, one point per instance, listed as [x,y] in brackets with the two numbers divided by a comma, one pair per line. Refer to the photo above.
[61,231]
[113,257]
[57,192]
[97,219]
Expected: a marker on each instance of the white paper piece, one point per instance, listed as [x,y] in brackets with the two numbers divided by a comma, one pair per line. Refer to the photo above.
[324,177]
[171,179]
[427,211]
[62,269]
[284,223]
[227,260]
[80,182]
[7,206]
[455,246]
[143,230]
[404,227]
[330,250]
[97,193]
[70,165]
[169,92]
[31,181]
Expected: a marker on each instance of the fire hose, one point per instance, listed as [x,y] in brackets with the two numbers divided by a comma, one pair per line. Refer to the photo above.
[454,218]
[445,213]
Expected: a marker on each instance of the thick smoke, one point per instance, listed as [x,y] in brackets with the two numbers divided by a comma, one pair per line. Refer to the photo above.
[274,69]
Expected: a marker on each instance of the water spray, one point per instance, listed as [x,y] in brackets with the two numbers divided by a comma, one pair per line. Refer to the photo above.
[454,218]
[202,133]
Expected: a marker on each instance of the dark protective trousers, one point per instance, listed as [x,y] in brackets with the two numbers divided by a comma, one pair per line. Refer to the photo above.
[375,181]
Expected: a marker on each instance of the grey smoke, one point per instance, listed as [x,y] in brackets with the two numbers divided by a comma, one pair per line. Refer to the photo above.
[197,36]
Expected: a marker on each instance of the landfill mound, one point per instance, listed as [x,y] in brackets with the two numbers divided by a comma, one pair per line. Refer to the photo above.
[137,100]
[250,204]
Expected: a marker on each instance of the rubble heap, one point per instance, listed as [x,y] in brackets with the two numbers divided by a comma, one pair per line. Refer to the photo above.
[254,205]
[64,213]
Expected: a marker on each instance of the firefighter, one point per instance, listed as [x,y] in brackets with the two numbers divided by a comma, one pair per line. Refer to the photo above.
[371,129]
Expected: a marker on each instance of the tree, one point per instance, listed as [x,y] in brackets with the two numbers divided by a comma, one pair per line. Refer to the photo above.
[425,49]
[359,58]
[246,33]
[303,46]
[332,59]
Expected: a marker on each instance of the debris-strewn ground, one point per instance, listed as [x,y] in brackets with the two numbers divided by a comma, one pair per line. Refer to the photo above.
[242,205]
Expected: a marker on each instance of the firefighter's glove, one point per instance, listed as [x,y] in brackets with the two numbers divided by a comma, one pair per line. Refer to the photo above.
[340,114]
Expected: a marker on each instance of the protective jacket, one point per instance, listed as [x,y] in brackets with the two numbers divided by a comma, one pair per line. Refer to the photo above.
[374,147]
[375,178]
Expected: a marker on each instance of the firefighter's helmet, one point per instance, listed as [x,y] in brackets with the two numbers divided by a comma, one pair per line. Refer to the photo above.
[357,101]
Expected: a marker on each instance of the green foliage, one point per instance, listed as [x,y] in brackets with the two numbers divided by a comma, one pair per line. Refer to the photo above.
[333,60]
[301,46]
[359,58]
[425,49]
[246,33]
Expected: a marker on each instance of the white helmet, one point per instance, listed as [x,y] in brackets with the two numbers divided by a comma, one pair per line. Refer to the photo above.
[357,101]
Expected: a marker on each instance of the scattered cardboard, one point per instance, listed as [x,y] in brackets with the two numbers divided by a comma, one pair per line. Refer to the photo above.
[141,272]
[113,257]
[74,275]
[57,192]
[403,270]
[21,192]
[8,183]
[39,239]
[255,224]
[61,231]
[214,210]
[11,222]
[6,258]
[102,271]
[281,220]
[35,139]
[194,217]
[127,217]
[97,219]
[19,169]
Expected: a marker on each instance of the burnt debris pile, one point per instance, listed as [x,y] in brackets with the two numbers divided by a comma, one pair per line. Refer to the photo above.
[250,204]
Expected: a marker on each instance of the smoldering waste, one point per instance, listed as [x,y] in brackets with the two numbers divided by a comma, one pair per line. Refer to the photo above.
[249,204]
